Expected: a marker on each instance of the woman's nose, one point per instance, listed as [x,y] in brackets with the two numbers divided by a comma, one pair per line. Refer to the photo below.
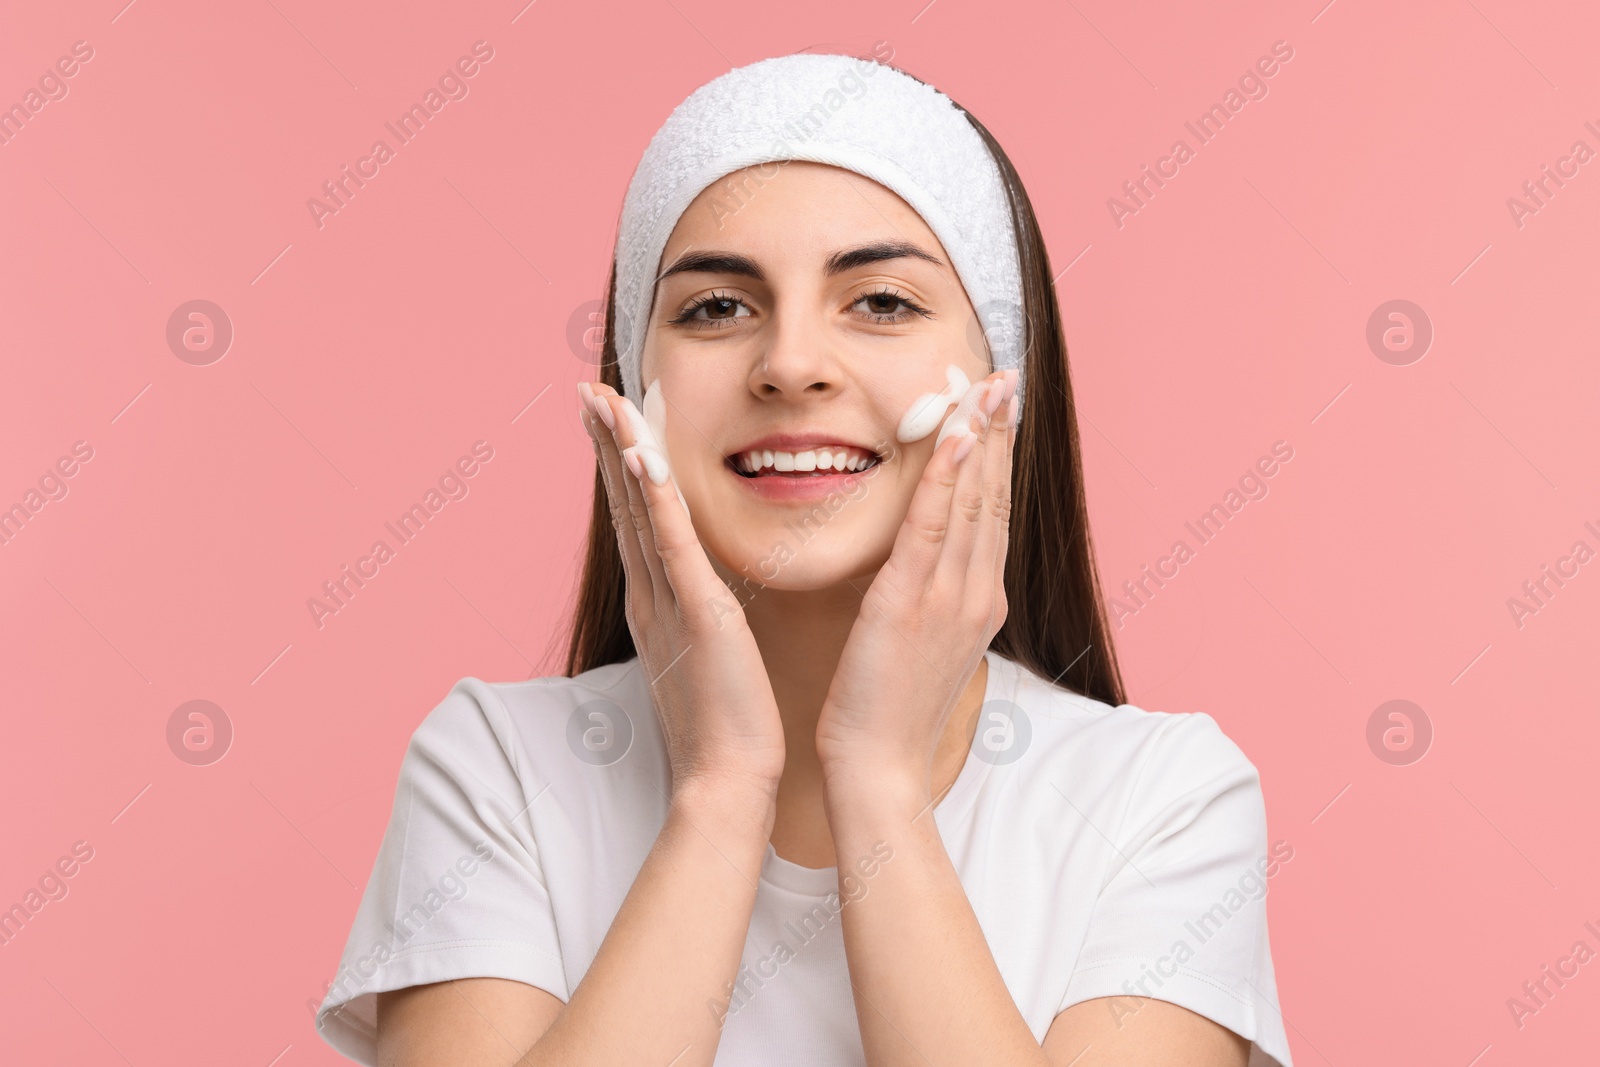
[797,358]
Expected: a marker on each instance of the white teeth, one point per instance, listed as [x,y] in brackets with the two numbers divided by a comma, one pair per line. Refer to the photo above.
[820,459]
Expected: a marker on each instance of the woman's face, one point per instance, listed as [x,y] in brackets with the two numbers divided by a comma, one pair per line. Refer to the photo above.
[802,311]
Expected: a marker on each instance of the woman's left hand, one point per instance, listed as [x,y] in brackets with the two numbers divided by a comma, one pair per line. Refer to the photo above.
[930,612]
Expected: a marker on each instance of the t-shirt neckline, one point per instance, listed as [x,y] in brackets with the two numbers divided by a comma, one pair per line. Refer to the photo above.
[820,881]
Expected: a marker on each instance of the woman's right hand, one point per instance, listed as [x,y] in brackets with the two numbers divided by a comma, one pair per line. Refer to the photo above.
[707,679]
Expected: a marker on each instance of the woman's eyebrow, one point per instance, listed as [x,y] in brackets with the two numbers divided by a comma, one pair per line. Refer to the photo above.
[852,258]
[712,261]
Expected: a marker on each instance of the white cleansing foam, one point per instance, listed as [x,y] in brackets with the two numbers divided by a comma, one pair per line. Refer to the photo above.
[927,410]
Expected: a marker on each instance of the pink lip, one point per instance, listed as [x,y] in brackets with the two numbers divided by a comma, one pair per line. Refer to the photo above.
[799,486]
[800,442]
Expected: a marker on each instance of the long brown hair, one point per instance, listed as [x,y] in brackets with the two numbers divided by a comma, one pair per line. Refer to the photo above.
[1056,622]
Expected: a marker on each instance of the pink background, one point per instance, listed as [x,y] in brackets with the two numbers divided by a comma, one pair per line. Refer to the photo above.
[433,311]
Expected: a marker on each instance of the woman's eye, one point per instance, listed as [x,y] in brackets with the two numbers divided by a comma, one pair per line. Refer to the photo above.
[718,310]
[881,307]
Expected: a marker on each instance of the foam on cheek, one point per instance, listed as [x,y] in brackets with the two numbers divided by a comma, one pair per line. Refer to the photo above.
[928,409]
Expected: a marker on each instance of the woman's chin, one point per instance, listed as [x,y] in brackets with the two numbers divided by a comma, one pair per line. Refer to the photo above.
[783,562]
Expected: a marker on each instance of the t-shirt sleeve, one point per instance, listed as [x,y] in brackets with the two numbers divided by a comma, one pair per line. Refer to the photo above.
[1182,916]
[456,890]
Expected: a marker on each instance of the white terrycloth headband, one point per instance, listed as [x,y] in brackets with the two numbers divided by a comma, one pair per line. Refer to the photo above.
[853,113]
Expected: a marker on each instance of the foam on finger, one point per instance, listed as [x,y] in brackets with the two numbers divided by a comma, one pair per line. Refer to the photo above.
[959,424]
[649,433]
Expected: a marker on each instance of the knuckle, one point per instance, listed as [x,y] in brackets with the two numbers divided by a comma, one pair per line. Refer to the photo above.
[668,550]
[1000,504]
[937,477]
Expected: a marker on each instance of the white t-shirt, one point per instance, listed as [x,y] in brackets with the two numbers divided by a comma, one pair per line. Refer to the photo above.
[1106,851]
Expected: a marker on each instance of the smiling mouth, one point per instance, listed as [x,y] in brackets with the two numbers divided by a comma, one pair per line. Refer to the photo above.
[812,462]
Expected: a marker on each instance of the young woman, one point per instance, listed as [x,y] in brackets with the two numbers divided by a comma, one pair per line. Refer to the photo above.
[841,771]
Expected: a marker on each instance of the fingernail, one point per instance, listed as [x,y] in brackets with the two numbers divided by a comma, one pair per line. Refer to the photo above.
[991,399]
[963,446]
[1013,411]
[586,410]
[630,456]
[603,409]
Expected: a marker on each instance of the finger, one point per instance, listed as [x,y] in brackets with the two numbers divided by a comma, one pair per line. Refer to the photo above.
[634,477]
[647,466]
[927,523]
[628,433]
[994,528]
[968,508]
[613,470]
[699,594]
